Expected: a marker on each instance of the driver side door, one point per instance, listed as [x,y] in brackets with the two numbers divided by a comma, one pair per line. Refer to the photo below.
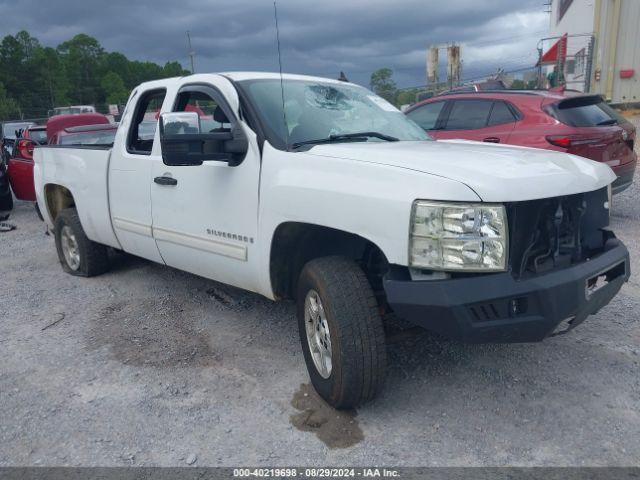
[205,216]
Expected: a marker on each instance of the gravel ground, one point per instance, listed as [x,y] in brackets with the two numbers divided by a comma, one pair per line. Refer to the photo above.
[147,365]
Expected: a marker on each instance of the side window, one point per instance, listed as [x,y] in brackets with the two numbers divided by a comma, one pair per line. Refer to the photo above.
[469,114]
[500,114]
[144,123]
[212,117]
[427,115]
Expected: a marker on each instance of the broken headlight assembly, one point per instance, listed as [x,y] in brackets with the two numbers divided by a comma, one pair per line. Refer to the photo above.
[458,237]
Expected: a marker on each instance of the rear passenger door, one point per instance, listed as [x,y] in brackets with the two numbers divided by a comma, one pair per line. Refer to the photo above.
[502,121]
[482,120]
[130,166]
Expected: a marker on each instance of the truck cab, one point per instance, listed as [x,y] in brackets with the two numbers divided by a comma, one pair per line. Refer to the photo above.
[322,192]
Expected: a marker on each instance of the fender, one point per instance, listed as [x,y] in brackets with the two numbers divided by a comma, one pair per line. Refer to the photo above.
[344,195]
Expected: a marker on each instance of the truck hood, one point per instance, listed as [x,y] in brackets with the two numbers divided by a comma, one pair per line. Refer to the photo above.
[497,173]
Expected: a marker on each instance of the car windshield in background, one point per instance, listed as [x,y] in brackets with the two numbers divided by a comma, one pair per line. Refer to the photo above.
[38,136]
[589,111]
[100,137]
[316,110]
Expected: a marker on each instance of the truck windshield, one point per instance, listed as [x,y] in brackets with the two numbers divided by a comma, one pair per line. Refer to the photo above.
[317,110]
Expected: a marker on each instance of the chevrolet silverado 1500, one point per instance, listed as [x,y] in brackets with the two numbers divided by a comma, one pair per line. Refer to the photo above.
[320,191]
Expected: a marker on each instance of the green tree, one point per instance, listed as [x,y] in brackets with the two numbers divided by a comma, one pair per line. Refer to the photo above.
[382,83]
[37,78]
[407,96]
[8,107]
[117,62]
[81,57]
[174,69]
[114,89]
[32,74]
[53,76]
[517,84]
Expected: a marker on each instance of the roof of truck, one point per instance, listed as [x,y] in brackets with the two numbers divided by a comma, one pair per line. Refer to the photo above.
[239,76]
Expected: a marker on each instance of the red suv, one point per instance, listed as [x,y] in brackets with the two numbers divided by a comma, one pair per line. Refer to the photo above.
[574,123]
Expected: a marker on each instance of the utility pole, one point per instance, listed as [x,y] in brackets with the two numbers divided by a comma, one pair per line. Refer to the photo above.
[540,84]
[50,83]
[589,67]
[192,54]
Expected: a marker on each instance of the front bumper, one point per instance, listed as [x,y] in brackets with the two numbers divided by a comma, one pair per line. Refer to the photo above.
[499,308]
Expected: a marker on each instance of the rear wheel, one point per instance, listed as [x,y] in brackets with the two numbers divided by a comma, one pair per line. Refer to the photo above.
[77,254]
[6,198]
[341,332]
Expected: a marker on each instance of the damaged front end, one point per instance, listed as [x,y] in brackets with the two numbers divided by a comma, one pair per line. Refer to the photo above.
[558,232]
[564,265]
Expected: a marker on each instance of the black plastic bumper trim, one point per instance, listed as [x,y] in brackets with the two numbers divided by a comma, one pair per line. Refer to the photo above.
[499,308]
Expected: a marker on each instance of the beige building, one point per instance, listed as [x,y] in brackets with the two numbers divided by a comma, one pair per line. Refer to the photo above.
[602,46]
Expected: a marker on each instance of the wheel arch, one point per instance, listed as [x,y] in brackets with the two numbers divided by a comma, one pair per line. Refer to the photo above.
[57,198]
[293,244]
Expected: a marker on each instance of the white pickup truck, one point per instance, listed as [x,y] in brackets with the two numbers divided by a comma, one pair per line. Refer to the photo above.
[320,191]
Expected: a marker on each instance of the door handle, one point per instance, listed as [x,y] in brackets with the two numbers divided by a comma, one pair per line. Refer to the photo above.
[491,140]
[165,181]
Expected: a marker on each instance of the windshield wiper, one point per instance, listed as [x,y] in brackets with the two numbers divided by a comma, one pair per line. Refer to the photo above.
[611,121]
[354,137]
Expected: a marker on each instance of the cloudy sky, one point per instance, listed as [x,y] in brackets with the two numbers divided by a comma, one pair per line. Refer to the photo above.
[319,37]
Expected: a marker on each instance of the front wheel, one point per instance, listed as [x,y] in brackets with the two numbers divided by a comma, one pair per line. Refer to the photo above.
[77,254]
[341,332]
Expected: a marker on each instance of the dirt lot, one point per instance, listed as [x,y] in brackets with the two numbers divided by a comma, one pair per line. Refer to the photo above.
[150,366]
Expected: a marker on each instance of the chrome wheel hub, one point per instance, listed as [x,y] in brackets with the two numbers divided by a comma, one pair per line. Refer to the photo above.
[70,248]
[318,335]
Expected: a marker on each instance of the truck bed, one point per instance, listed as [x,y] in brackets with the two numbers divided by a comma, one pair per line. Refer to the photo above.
[83,170]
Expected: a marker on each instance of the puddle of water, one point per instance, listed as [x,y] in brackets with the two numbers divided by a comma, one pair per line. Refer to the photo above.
[335,428]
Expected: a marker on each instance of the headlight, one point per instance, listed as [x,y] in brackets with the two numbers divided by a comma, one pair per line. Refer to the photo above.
[455,236]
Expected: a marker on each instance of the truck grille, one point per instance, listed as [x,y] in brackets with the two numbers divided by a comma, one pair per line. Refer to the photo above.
[556,232]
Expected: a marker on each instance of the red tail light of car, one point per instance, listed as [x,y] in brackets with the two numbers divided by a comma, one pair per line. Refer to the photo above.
[568,141]
[25,149]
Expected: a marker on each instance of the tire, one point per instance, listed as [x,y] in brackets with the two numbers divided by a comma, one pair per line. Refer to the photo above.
[6,197]
[6,201]
[357,343]
[87,258]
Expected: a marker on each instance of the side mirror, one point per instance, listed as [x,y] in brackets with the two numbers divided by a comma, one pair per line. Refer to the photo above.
[183,142]
[237,147]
